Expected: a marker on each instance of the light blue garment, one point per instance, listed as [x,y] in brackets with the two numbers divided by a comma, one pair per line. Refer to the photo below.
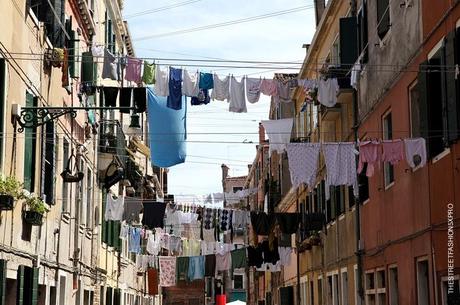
[167,131]
[134,244]
[196,268]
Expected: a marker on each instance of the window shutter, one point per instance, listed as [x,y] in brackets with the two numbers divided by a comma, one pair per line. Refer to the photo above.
[363,32]
[49,165]
[348,41]
[452,132]
[20,286]
[104,222]
[116,296]
[110,233]
[116,235]
[423,101]
[2,281]
[29,149]
[287,295]
[87,67]
[383,17]
[34,286]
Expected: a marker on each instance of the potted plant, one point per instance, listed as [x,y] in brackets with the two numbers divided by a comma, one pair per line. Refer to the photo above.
[35,209]
[10,191]
[315,239]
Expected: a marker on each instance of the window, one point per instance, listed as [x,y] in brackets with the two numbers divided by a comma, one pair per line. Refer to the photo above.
[65,186]
[335,52]
[344,287]
[333,289]
[62,290]
[30,147]
[450,291]
[393,293]
[237,188]
[303,291]
[370,288]
[53,28]
[238,281]
[49,164]
[320,291]
[82,194]
[388,169]
[423,294]
[383,17]
[312,293]
[348,43]
[381,287]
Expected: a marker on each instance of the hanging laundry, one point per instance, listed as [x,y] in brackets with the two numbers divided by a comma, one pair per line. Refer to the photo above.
[134,242]
[307,84]
[208,218]
[285,240]
[237,99]
[196,268]
[223,262]
[284,91]
[133,70]
[122,62]
[65,79]
[175,89]
[124,231]
[191,247]
[148,77]
[190,84]
[268,267]
[285,255]
[221,88]
[152,281]
[208,247]
[239,258]
[255,257]
[327,92]
[110,96]
[224,220]
[262,223]
[153,214]
[114,208]
[182,268]
[415,152]
[269,87]
[172,222]
[210,265]
[222,248]
[209,235]
[109,67]
[98,50]
[314,222]
[239,219]
[162,83]
[153,245]
[303,163]
[125,99]
[370,153]
[393,151]
[271,254]
[253,89]
[355,74]
[279,133]
[288,222]
[175,245]
[340,165]
[206,81]
[168,128]
[133,207]
[201,99]
[140,99]
[167,271]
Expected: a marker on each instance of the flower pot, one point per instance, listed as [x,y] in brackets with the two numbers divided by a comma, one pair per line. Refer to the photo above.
[6,202]
[33,218]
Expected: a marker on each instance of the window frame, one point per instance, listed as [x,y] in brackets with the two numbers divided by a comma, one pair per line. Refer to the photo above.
[387,134]
[391,287]
[385,36]
[444,280]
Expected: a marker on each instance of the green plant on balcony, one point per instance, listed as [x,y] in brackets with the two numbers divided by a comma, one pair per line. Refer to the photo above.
[315,239]
[36,207]
[10,191]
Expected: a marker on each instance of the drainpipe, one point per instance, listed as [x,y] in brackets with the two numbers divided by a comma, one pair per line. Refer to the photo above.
[359,251]
[297,247]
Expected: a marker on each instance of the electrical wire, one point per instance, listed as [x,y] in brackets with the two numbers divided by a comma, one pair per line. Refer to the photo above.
[160,9]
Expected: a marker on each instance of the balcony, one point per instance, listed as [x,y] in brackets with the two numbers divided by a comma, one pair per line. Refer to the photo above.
[112,143]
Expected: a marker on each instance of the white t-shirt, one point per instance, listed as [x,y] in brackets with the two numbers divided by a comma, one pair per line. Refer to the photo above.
[114,208]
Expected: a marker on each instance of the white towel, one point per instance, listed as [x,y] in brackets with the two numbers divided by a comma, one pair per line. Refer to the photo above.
[162,82]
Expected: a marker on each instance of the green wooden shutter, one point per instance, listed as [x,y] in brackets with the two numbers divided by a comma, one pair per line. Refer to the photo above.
[116,296]
[110,233]
[34,286]
[87,67]
[422,84]
[29,149]
[451,133]
[348,41]
[116,226]
[2,281]
[104,222]
[20,286]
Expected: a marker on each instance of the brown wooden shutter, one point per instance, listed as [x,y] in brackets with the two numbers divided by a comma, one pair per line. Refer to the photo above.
[348,41]
[451,132]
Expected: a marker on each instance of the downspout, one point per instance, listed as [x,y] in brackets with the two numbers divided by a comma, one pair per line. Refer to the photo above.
[297,247]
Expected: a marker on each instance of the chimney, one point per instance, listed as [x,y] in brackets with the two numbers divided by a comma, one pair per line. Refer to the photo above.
[320,5]
[224,174]
[261,133]
[249,168]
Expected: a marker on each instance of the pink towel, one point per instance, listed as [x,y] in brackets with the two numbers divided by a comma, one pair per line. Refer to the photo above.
[369,152]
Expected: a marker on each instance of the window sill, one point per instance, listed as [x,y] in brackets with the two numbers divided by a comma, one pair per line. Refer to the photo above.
[441,155]
[387,187]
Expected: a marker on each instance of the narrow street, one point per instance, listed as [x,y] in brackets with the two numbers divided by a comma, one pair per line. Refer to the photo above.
[199,152]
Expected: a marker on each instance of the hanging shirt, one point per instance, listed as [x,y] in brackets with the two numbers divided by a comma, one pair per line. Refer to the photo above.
[327,92]
[369,152]
[279,133]
[288,222]
[153,244]
[307,84]
[114,208]
[223,262]
[303,163]
[271,254]
[153,214]
[415,152]
[253,89]
[221,88]
[190,84]
[148,77]
[208,247]
[172,222]
[175,245]
[340,165]
[196,268]
[210,265]
[175,89]
[167,271]
[393,151]
[224,220]
[133,70]
[237,99]
[206,81]
[269,87]
[162,83]
[239,219]
[133,207]
[208,219]
[98,51]
[134,242]
[109,67]
[284,91]
[238,258]
[209,235]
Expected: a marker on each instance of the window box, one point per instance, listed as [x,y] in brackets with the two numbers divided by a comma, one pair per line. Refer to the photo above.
[33,218]
[6,202]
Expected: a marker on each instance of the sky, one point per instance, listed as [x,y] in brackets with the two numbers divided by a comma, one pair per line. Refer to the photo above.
[277,38]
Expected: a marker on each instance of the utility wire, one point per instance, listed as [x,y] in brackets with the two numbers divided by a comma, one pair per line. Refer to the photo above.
[160,9]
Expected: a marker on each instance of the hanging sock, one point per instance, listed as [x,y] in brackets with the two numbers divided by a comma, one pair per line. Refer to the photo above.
[175,89]
[393,151]
[369,152]
[237,98]
[253,89]
[415,152]
[340,165]
[206,81]
[133,70]
[279,133]
[327,92]
[162,83]
[190,84]
[148,77]
[109,67]
[269,87]
[221,88]
[303,163]
[125,99]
